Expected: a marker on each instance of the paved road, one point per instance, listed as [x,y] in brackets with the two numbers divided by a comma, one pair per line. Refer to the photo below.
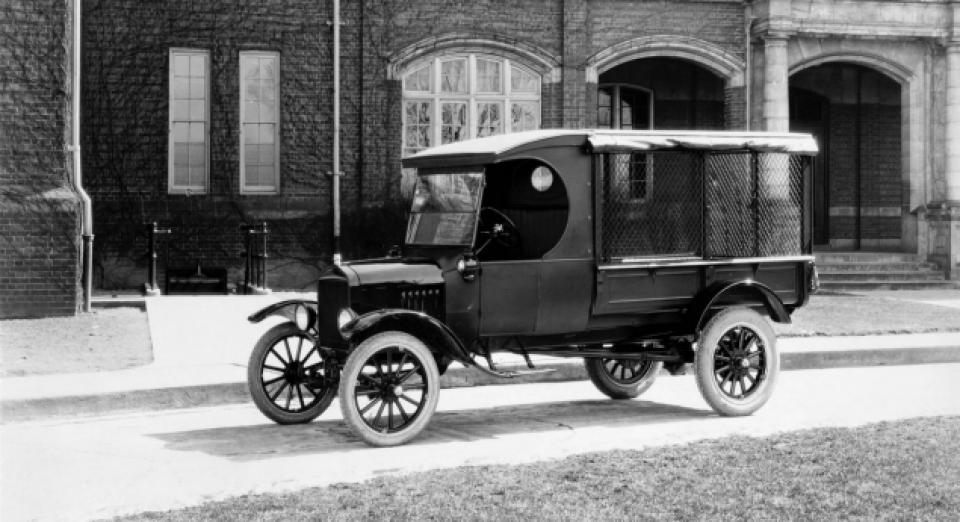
[96,467]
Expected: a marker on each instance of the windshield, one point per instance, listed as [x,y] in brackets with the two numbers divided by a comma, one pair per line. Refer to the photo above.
[444,210]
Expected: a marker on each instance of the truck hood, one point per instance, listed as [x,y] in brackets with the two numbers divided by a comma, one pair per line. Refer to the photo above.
[393,271]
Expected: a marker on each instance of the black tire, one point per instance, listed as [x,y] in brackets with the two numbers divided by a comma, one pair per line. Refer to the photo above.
[737,362]
[384,373]
[286,376]
[622,378]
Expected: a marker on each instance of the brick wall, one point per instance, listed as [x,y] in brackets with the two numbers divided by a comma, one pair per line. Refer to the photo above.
[126,46]
[39,213]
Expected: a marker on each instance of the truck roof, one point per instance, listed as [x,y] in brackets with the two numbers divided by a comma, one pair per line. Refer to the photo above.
[496,148]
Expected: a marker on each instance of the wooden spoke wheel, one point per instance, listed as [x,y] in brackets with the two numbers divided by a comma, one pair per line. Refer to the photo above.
[622,378]
[287,377]
[389,388]
[737,362]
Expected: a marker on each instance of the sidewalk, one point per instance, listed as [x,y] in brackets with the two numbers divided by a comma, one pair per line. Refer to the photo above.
[205,366]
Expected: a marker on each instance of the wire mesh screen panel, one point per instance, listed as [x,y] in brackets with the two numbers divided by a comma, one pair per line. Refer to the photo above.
[754,204]
[651,204]
[730,219]
[779,204]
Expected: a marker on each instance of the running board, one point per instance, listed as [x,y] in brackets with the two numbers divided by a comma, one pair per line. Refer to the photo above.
[509,374]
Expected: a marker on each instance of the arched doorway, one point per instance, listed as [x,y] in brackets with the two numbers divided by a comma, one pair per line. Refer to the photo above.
[855,112]
[660,93]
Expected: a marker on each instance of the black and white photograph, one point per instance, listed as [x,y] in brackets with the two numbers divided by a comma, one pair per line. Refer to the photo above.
[479,260]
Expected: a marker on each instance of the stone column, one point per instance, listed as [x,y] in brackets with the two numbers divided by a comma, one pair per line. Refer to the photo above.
[952,120]
[776,108]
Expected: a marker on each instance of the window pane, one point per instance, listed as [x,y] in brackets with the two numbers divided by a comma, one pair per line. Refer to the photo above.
[249,69]
[267,112]
[181,131]
[198,110]
[268,68]
[524,116]
[267,177]
[197,154]
[251,111]
[419,80]
[181,88]
[522,81]
[181,175]
[488,77]
[197,89]
[251,133]
[251,154]
[267,133]
[197,66]
[490,119]
[453,76]
[181,110]
[454,117]
[198,176]
[181,155]
[197,134]
[251,90]
[268,91]
[181,65]
[266,155]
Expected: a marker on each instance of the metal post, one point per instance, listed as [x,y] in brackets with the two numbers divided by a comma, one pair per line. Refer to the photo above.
[151,288]
[337,258]
[263,258]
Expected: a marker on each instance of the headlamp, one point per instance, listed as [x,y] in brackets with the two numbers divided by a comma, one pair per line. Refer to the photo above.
[301,317]
[345,317]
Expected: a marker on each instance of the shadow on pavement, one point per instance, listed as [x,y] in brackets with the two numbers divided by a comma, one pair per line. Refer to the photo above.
[248,443]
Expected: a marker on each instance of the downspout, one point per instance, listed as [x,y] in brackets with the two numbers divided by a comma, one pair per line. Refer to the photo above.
[748,74]
[337,257]
[87,219]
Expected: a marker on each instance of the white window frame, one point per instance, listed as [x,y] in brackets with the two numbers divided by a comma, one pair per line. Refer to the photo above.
[472,97]
[172,187]
[263,189]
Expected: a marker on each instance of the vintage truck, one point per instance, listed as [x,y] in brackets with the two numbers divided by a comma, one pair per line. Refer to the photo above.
[629,249]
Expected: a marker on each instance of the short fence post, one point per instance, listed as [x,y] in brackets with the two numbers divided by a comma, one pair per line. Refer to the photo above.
[255,269]
[150,287]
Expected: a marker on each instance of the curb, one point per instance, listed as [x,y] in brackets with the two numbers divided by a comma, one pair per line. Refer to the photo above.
[219,394]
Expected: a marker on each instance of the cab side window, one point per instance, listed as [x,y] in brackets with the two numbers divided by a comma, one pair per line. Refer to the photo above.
[532,197]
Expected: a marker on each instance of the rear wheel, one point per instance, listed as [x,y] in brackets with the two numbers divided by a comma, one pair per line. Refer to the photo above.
[286,376]
[389,388]
[737,361]
[622,378]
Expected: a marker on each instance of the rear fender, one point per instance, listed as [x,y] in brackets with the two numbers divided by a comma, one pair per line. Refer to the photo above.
[436,335]
[700,310]
[283,309]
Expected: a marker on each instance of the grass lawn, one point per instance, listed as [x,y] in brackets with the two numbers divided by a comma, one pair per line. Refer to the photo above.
[904,470]
[105,339]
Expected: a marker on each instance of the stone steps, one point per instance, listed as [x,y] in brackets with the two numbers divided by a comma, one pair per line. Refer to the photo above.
[859,271]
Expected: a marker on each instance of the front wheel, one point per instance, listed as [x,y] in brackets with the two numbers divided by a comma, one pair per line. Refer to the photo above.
[287,377]
[622,378]
[389,388]
[737,362]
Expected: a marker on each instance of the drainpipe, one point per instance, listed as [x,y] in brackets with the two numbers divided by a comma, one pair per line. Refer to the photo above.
[748,74]
[87,220]
[337,257]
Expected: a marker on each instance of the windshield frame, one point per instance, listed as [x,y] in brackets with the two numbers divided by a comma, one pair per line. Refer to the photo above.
[474,212]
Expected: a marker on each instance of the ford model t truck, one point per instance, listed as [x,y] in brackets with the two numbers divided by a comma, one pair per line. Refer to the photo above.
[629,249]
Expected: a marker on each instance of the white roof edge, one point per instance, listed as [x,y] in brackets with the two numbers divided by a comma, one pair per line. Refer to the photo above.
[602,140]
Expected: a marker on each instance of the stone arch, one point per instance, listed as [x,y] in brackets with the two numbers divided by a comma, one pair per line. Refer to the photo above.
[912,148]
[710,56]
[894,70]
[534,58]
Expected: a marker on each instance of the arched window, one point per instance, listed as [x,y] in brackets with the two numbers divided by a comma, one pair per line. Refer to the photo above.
[461,96]
[628,107]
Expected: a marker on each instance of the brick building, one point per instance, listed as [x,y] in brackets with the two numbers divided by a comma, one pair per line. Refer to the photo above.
[208,116]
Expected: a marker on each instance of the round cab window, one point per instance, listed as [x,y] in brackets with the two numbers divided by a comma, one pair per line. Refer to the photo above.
[541,179]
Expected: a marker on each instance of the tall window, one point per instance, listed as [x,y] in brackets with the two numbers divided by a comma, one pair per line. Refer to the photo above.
[626,107]
[457,97]
[259,139]
[188,153]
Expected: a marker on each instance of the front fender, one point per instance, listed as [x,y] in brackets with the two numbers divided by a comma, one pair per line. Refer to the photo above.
[699,311]
[281,309]
[437,336]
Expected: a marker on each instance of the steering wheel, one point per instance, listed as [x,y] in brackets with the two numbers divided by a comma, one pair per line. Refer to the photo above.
[497,226]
